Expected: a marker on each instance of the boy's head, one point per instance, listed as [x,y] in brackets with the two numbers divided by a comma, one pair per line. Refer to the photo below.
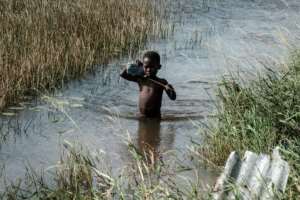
[151,63]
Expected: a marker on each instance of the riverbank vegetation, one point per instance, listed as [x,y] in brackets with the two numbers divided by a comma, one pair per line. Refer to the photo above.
[44,43]
[258,117]
[79,175]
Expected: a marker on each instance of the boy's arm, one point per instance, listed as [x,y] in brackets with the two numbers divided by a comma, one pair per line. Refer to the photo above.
[169,90]
[128,77]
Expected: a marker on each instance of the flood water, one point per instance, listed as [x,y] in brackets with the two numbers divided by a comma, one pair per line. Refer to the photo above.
[211,38]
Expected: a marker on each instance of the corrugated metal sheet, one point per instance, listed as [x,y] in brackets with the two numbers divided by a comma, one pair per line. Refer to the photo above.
[252,177]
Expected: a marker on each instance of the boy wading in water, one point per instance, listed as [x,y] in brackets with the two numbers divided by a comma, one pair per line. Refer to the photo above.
[151,87]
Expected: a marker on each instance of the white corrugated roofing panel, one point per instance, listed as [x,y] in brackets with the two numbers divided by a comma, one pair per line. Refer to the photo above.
[252,177]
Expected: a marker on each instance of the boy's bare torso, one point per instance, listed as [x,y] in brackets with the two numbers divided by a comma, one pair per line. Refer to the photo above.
[150,94]
[150,87]
[150,97]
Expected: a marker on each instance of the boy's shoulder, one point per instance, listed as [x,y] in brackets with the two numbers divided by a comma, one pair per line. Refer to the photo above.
[162,80]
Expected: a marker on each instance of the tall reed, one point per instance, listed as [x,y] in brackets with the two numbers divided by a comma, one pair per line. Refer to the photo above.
[79,175]
[44,43]
[259,117]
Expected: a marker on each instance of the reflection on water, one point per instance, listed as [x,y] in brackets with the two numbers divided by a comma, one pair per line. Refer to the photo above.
[149,139]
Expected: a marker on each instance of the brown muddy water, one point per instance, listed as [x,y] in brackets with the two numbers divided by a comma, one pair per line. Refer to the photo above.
[211,39]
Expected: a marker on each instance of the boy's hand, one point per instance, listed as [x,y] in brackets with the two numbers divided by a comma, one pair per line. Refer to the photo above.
[170,91]
[169,87]
[139,63]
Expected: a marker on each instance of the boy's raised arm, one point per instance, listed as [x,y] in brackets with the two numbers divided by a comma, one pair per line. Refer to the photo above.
[127,76]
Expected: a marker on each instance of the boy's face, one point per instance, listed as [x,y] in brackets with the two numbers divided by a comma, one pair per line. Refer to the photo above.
[150,67]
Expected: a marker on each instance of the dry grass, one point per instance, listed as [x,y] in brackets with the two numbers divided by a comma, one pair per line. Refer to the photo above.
[43,43]
[81,176]
[258,117]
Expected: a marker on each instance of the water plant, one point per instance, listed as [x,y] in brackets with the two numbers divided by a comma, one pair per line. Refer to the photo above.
[81,175]
[259,116]
[45,43]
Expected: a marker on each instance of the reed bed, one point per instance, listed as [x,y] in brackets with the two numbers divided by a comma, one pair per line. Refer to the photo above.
[259,117]
[45,43]
[79,175]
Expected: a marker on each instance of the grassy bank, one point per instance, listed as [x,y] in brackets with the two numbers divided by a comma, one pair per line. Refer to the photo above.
[79,175]
[44,43]
[258,117]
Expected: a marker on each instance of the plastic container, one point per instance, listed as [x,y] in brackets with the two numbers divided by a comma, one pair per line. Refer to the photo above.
[134,69]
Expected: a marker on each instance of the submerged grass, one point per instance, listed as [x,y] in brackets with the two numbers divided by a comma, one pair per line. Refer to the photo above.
[258,117]
[79,175]
[44,43]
